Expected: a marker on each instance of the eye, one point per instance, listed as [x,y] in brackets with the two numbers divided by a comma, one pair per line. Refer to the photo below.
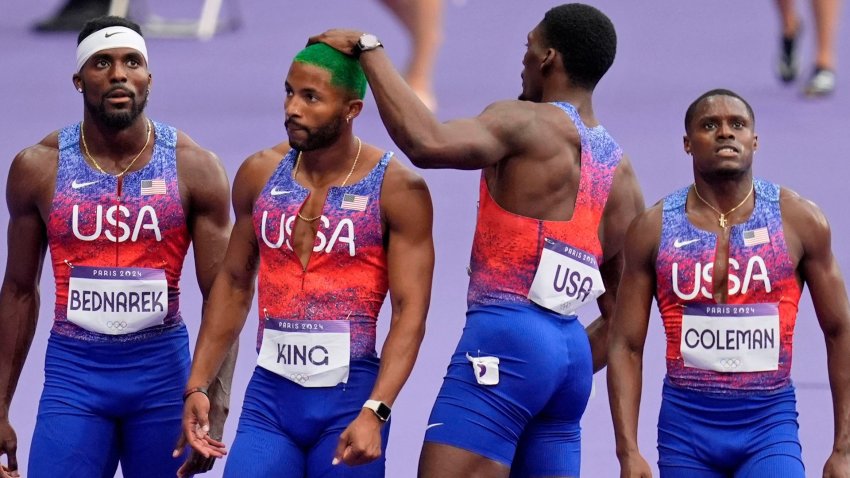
[101,63]
[709,125]
[312,98]
[133,63]
[738,124]
[289,92]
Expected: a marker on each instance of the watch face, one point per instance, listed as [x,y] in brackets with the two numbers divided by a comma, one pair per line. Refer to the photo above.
[383,412]
[368,42]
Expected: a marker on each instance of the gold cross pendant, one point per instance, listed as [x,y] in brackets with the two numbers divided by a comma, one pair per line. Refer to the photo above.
[722,221]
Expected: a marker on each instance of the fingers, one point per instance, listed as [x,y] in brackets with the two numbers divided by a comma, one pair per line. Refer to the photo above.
[178,449]
[195,464]
[352,453]
[8,472]
[340,448]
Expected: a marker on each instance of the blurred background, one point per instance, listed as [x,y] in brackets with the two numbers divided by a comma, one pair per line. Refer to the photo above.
[227,94]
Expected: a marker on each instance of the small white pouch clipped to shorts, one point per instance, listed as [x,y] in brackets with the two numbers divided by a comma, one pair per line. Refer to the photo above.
[486,369]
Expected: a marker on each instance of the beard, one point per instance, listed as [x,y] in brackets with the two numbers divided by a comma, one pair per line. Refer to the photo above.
[119,119]
[319,137]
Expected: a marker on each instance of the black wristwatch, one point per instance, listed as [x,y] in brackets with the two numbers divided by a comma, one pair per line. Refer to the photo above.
[381,409]
[366,42]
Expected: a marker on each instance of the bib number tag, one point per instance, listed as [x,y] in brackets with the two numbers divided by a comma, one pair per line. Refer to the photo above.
[311,353]
[117,300]
[731,338]
[566,279]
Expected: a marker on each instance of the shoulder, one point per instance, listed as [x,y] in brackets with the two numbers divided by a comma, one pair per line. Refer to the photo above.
[400,177]
[191,154]
[263,162]
[200,169]
[32,173]
[799,211]
[804,223]
[39,160]
[255,171]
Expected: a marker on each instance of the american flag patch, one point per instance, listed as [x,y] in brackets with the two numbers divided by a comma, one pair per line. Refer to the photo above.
[152,187]
[754,237]
[354,202]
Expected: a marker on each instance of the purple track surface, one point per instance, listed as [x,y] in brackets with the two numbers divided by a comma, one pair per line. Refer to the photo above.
[227,93]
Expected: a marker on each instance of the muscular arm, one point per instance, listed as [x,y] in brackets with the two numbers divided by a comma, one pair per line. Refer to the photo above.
[473,143]
[227,307]
[407,210]
[628,330]
[625,202]
[209,224]
[819,270]
[19,295]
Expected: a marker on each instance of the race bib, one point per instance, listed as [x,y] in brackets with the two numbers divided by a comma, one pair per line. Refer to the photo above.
[731,338]
[311,353]
[117,300]
[566,278]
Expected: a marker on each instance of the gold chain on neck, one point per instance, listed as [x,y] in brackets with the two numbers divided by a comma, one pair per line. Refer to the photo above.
[722,218]
[344,181]
[132,161]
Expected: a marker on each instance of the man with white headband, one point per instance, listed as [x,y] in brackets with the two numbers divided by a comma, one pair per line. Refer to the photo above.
[117,198]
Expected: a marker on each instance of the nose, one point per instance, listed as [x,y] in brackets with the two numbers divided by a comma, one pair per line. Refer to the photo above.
[725,131]
[118,72]
[291,106]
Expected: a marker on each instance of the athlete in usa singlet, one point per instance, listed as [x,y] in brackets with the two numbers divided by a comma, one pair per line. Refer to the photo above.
[118,357]
[728,365]
[521,375]
[316,336]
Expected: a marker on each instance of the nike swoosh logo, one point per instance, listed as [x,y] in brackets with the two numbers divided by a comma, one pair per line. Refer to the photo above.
[277,192]
[107,35]
[433,425]
[77,185]
[677,243]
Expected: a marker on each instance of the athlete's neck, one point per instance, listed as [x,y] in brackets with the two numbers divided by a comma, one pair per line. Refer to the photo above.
[318,166]
[112,143]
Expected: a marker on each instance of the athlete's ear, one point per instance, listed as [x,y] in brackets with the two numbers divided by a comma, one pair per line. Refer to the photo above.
[549,59]
[78,82]
[755,142]
[687,144]
[353,109]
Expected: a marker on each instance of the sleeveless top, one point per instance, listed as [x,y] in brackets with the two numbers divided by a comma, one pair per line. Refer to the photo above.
[760,272]
[90,225]
[346,275]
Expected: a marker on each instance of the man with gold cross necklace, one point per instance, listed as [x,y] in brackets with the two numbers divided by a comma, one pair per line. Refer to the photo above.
[727,259]
[118,198]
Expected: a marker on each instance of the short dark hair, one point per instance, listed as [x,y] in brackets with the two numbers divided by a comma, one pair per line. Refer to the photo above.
[689,114]
[105,21]
[585,38]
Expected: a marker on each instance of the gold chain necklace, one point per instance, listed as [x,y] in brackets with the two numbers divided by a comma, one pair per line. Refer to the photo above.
[132,161]
[344,181]
[722,219]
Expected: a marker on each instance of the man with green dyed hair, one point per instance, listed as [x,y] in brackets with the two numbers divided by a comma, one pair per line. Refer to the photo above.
[329,224]
[345,71]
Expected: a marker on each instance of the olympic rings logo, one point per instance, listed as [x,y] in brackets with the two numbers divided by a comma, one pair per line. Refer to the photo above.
[299,377]
[116,324]
[730,363]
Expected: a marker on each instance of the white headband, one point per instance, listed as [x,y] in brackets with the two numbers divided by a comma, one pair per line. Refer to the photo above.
[109,37]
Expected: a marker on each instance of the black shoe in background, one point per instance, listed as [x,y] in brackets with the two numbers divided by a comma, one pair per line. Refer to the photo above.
[72,16]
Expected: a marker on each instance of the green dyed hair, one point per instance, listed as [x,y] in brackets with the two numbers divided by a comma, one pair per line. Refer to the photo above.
[346,72]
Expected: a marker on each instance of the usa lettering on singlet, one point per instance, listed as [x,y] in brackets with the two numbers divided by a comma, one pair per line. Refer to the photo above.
[311,353]
[117,300]
[566,279]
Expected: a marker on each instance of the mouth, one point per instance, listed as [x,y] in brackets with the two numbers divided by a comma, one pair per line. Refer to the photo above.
[727,150]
